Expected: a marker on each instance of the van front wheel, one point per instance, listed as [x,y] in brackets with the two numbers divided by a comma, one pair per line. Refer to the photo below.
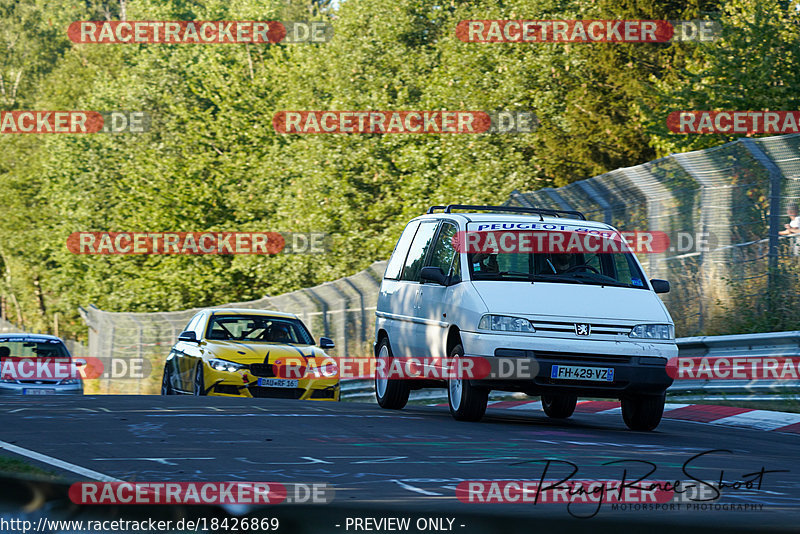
[643,412]
[467,403]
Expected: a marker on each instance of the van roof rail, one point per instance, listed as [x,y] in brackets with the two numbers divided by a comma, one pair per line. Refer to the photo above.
[513,209]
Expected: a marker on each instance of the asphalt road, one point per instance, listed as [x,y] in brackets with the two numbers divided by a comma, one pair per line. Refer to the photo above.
[408,461]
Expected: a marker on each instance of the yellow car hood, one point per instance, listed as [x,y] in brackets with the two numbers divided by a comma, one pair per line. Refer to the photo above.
[247,353]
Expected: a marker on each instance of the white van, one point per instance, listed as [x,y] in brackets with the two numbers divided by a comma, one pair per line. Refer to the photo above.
[590,324]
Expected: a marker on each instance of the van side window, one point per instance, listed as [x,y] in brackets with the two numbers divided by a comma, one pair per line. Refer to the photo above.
[443,252]
[418,251]
[398,258]
[455,275]
[627,273]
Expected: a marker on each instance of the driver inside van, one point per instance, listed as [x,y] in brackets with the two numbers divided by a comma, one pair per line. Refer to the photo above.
[559,263]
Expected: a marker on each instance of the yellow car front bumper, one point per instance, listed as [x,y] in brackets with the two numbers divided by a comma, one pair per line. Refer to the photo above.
[244,384]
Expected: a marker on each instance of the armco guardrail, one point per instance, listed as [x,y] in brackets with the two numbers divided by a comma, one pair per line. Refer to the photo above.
[744,345]
[343,309]
[736,195]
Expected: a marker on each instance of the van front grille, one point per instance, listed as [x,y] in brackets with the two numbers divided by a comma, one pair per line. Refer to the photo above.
[569,327]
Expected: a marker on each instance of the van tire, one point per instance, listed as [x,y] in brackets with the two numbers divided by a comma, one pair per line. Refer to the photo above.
[392,394]
[559,406]
[467,403]
[643,412]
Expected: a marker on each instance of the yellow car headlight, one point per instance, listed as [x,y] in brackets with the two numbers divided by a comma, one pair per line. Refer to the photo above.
[223,365]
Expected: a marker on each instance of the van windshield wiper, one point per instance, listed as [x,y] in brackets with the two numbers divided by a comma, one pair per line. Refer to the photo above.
[560,278]
[503,275]
[595,279]
[531,277]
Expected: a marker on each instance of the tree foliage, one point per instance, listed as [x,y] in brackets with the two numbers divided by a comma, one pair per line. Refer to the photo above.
[212,161]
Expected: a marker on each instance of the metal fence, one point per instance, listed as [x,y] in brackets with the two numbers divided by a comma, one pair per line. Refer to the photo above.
[343,310]
[738,193]
[782,392]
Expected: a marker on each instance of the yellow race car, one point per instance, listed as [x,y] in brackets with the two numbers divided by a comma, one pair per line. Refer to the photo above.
[250,353]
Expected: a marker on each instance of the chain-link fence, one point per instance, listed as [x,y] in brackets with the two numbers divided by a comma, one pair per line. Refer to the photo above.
[343,310]
[75,348]
[737,194]
[735,197]
[6,327]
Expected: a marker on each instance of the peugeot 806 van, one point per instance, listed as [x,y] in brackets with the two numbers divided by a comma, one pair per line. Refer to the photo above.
[480,282]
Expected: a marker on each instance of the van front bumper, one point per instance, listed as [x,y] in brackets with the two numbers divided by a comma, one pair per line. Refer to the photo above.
[639,368]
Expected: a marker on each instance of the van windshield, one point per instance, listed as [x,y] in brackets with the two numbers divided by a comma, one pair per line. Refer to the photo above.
[617,269]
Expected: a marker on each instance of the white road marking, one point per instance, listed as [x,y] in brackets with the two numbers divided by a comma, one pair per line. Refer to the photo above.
[612,411]
[309,460]
[55,462]
[674,406]
[413,488]
[338,416]
[164,461]
[534,405]
[760,419]
[370,459]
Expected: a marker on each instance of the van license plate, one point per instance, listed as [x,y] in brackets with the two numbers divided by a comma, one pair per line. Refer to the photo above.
[277,383]
[573,372]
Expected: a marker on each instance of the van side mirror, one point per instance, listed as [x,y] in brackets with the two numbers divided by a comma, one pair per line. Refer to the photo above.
[433,274]
[326,343]
[660,286]
[189,336]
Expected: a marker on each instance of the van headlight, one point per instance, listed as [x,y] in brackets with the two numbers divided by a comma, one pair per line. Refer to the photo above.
[506,323]
[653,331]
[222,365]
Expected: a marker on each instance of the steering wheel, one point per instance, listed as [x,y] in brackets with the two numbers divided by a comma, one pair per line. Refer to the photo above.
[582,266]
